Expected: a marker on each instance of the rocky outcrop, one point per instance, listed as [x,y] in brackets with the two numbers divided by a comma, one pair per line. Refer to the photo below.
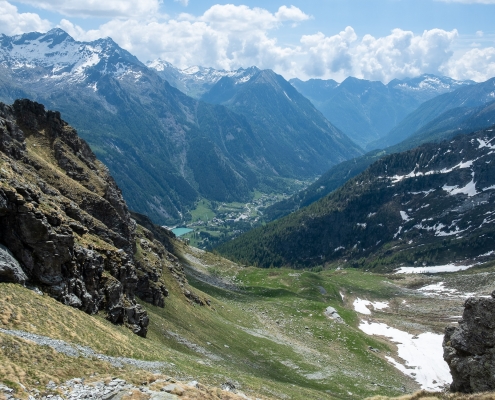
[469,348]
[10,269]
[64,226]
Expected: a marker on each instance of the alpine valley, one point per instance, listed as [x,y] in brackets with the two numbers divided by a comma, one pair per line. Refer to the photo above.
[165,149]
[372,278]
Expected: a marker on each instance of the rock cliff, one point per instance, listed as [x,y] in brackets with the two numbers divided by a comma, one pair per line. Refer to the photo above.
[64,225]
[469,349]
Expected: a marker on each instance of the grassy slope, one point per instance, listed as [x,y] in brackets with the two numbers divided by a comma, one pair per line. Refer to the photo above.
[267,358]
[269,334]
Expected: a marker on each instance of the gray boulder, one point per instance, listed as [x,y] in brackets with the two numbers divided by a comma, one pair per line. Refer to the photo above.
[332,313]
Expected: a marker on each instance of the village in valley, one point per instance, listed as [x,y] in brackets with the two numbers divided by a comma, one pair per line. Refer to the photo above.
[212,223]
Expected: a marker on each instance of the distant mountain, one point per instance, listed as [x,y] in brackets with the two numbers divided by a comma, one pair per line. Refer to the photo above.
[193,81]
[164,148]
[367,110]
[467,96]
[451,123]
[289,128]
[427,206]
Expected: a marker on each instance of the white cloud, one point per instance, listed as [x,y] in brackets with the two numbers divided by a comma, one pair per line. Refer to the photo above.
[402,54]
[98,8]
[329,55]
[229,37]
[12,22]
[291,13]
[225,36]
[185,3]
[476,64]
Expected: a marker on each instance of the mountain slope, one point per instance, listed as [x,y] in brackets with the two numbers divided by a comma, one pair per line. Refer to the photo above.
[431,204]
[64,226]
[468,96]
[366,110]
[288,126]
[155,140]
[165,149]
[449,124]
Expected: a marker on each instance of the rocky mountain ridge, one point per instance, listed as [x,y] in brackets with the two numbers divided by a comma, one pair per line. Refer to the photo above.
[65,227]
[449,124]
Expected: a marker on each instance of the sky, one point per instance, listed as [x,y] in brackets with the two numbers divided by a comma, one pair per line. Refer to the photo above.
[327,39]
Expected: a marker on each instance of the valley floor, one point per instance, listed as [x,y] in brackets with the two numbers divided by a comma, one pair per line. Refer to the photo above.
[265,334]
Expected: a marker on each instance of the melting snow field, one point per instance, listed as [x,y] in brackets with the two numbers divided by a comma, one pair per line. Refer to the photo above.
[432,270]
[361,306]
[423,356]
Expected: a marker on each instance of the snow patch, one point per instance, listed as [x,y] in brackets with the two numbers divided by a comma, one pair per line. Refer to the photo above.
[438,289]
[432,270]
[361,306]
[485,143]
[469,189]
[423,355]
[404,216]
[398,232]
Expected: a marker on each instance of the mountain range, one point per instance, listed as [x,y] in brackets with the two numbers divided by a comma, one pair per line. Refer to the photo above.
[287,125]
[430,205]
[441,127]
[156,141]
[364,110]
[367,111]
[467,96]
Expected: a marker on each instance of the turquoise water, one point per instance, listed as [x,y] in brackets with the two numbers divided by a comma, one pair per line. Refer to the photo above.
[181,231]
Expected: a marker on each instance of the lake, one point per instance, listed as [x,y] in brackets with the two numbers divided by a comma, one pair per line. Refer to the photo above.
[181,231]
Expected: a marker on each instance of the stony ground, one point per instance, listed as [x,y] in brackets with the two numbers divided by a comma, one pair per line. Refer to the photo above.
[118,389]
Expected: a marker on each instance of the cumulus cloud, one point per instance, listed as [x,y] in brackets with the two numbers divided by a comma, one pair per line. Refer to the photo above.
[98,8]
[225,36]
[12,22]
[329,55]
[476,64]
[402,54]
[229,37]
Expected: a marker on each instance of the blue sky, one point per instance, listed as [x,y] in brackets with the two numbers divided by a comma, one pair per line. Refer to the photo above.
[371,39]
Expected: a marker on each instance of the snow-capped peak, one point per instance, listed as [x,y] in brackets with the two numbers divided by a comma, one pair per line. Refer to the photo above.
[428,82]
[63,57]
